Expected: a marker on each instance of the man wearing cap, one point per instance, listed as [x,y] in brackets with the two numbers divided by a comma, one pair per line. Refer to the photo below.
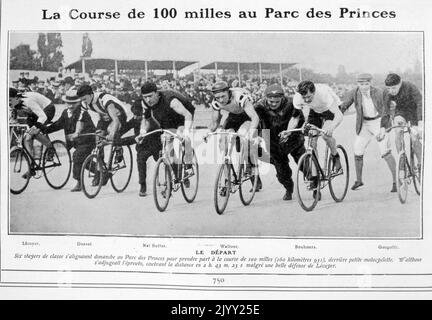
[75,121]
[38,110]
[403,101]
[167,109]
[369,105]
[275,111]
[242,116]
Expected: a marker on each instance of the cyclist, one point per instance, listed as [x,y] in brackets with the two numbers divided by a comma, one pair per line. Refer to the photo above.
[406,100]
[241,114]
[39,111]
[320,106]
[112,114]
[275,111]
[170,110]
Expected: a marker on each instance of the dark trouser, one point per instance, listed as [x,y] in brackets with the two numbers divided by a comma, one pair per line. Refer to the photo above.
[151,146]
[78,157]
[279,158]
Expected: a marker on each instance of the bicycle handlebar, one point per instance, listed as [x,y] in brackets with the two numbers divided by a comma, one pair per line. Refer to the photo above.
[307,126]
[141,137]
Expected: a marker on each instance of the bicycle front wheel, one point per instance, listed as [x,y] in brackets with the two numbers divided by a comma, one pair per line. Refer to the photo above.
[222,188]
[91,176]
[19,170]
[121,167]
[162,184]
[416,173]
[308,182]
[402,176]
[190,180]
[338,179]
[248,180]
[57,165]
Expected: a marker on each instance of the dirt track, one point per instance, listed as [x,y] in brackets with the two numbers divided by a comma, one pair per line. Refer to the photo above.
[371,212]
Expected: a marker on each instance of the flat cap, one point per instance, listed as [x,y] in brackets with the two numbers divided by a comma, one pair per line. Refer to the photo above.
[364,77]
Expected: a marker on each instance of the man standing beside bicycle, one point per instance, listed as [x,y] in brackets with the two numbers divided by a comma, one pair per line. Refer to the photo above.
[166,109]
[368,102]
[242,116]
[403,101]
[320,106]
[275,111]
[38,110]
[74,121]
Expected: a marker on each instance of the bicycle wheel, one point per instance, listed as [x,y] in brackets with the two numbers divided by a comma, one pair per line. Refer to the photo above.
[57,165]
[308,182]
[222,188]
[190,180]
[402,176]
[162,184]
[121,167]
[247,182]
[416,173]
[338,181]
[91,176]
[19,170]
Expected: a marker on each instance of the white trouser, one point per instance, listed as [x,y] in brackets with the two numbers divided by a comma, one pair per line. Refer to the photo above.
[370,129]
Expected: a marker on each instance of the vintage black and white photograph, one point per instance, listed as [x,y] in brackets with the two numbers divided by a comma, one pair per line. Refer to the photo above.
[271,134]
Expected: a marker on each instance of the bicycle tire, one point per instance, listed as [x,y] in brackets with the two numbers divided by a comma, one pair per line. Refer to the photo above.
[126,150]
[307,161]
[167,192]
[91,163]
[341,153]
[243,188]
[195,168]
[16,156]
[402,172]
[57,145]
[220,207]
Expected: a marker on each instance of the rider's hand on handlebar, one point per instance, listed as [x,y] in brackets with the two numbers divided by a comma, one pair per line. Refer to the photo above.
[381,134]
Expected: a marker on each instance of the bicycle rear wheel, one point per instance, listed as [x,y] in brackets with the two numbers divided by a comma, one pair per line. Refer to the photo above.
[92,176]
[19,170]
[416,172]
[190,180]
[248,180]
[57,165]
[308,182]
[222,188]
[402,176]
[338,181]
[121,167]
[162,184]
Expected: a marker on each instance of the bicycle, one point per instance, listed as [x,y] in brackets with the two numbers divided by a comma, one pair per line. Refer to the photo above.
[169,177]
[95,171]
[406,171]
[53,163]
[311,177]
[228,180]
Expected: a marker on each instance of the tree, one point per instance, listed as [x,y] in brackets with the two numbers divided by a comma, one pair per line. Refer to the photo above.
[22,57]
[87,46]
[49,51]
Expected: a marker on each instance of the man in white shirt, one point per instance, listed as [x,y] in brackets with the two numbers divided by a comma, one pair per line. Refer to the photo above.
[369,104]
[320,106]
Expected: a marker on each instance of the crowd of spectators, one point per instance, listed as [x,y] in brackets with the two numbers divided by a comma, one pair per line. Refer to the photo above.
[127,88]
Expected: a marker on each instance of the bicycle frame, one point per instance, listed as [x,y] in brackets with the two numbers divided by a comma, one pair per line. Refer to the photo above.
[228,148]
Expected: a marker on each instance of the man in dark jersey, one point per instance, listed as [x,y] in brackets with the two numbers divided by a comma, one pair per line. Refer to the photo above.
[275,111]
[170,110]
